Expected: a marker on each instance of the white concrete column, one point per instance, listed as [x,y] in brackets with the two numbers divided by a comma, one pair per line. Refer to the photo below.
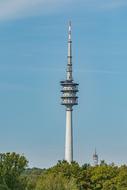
[69,137]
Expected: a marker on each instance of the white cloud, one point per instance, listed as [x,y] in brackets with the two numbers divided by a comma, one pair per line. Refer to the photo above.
[20,8]
[111,4]
[101,4]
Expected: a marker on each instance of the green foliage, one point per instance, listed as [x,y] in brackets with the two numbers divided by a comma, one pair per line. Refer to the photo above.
[32,176]
[71,176]
[3,187]
[11,167]
[102,174]
[56,182]
[62,176]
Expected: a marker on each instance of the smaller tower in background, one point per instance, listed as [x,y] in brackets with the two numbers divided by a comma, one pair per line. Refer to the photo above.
[95,158]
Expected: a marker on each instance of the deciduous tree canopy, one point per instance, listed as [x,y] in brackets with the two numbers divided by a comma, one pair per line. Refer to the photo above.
[11,167]
[63,176]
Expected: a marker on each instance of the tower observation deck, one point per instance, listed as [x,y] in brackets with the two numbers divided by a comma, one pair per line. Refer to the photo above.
[69,99]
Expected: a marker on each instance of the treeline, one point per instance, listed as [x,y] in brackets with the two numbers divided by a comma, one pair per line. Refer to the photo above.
[14,175]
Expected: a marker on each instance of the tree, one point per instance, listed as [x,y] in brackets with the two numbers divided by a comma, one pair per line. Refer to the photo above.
[11,167]
[62,176]
[121,178]
[3,187]
[50,181]
[102,177]
[32,175]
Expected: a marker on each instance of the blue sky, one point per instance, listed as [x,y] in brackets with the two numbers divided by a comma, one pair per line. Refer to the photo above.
[33,57]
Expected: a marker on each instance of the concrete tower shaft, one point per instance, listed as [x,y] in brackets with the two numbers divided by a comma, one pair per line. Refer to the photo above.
[69,137]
